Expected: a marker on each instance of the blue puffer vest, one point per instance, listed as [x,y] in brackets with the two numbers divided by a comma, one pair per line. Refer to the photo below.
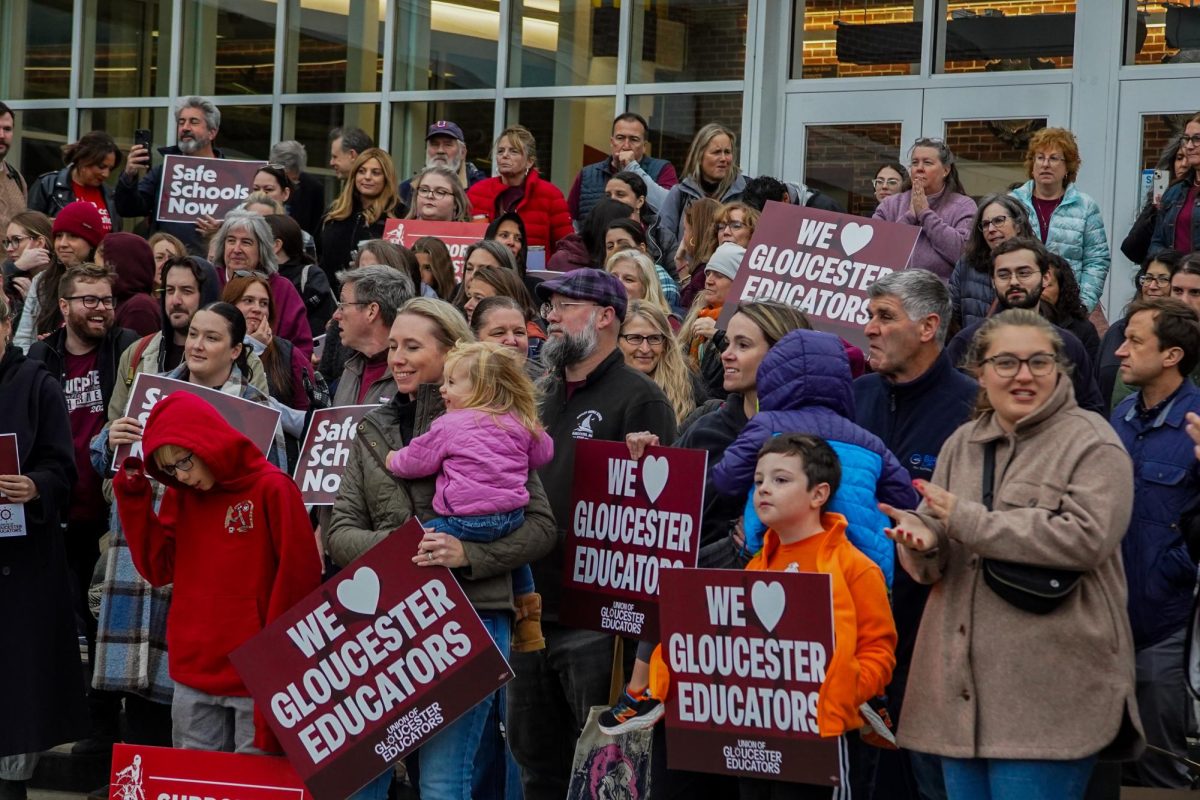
[804,386]
[594,177]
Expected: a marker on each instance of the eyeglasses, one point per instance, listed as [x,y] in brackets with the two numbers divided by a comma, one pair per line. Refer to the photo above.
[343,303]
[559,307]
[731,226]
[14,241]
[995,222]
[1157,280]
[439,193]
[1007,366]
[251,273]
[1053,160]
[1193,141]
[92,301]
[1023,274]
[184,464]
[891,183]
[637,339]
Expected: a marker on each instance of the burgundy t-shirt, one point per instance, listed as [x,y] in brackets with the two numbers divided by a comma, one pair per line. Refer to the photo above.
[1044,209]
[1183,223]
[85,406]
[373,371]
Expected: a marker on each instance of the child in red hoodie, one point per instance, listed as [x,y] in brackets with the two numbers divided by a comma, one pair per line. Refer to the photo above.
[233,536]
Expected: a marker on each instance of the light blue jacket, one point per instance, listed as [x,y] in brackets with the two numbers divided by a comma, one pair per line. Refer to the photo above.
[1077,234]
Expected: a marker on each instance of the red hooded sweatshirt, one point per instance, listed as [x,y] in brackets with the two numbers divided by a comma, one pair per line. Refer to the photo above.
[239,554]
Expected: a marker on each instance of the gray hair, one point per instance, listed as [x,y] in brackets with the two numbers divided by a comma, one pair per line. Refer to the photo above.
[240,220]
[290,155]
[920,293]
[212,114]
[946,156]
[355,139]
[380,284]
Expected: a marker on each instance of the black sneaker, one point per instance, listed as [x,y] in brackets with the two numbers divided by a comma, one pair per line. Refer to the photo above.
[631,714]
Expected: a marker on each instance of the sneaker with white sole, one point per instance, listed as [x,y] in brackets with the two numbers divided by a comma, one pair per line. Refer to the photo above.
[631,714]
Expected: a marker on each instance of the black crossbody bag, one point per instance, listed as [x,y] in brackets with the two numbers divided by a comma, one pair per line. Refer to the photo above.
[1038,590]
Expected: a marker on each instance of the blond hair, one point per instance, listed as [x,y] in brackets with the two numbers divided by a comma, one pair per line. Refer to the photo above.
[449,326]
[170,454]
[499,383]
[671,373]
[651,285]
[262,198]
[382,205]
[695,156]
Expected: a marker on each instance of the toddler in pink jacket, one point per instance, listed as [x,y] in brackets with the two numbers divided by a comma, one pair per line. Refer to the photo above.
[482,450]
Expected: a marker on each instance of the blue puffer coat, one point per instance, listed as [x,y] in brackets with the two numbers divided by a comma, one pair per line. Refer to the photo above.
[1077,234]
[971,294]
[804,386]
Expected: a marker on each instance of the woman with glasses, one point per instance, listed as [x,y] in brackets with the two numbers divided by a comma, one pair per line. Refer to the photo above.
[1056,498]
[438,196]
[648,343]
[26,253]
[1178,226]
[1066,220]
[937,204]
[1000,217]
[891,178]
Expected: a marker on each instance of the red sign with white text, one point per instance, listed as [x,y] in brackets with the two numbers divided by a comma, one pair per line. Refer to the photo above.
[203,187]
[369,666]
[326,451]
[12,515]
[163,773]
[458,236]
[629,521]
[255,421]
[820,262]
[747,652]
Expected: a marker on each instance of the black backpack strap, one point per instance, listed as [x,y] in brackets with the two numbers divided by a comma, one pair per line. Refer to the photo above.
[989,474]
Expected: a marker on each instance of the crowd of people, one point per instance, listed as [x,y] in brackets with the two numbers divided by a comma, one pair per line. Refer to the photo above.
[1004,485]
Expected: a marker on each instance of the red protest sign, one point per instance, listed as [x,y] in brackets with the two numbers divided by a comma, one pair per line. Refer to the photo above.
[458,236]
[747,653]
[192,187]
[820,262]
[629,521]
[253,420]
[326,451]
[369,666]
[162,773]
[12,515]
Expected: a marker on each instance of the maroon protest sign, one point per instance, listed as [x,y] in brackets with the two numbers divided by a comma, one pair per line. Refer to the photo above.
[369,666]
[193,187]
[820,262]
[253,420]
[326,451]
[458,236]
[12,515]
[163,773]
[747,653]
[629,520]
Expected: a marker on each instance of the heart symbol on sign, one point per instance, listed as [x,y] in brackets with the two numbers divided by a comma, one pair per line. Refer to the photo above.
[855,237]
[360,594]
[654,476]
[768,600]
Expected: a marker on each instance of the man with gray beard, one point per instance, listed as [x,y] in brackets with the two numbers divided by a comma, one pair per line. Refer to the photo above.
[197,121]
[445,145]
[589,393]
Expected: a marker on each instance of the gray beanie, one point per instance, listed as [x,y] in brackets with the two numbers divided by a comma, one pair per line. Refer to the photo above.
[726,260]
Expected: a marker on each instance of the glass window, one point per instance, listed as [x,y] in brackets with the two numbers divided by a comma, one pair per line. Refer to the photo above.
[687,40]
[335,47]
[38,141]
[842,160]
[310,125]
[675,118]
[1159,132]
[562,43]
[1162,32]
[569,133]
[1006,36]
[446,44]
[834,39]
[131,39]
[411,121]
[245,132]
[36,58]
[990,153]
[228,47]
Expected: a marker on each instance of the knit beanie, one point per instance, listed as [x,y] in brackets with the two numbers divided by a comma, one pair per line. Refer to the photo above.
[726,260]
[82,219]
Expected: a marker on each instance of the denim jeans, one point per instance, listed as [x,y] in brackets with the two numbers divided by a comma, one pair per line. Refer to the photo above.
[377,789]
[488,528]
[465,760]
[1014,779]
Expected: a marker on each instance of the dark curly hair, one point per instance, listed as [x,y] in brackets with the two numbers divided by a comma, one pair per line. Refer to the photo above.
[1070,304]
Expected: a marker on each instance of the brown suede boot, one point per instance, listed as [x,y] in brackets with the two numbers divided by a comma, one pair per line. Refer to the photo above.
[527,635]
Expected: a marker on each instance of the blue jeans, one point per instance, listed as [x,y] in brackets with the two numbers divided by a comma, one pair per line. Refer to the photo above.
[488,528]
[1013,779]
[465,759]
[377,789]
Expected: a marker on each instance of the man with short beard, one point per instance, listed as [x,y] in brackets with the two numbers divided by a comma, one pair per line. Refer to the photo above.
[13,189]
[446,146]
[588,393]
[197,121]
[83,355]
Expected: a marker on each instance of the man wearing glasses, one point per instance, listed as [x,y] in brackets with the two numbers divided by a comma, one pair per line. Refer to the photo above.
[83,355]
[628,143]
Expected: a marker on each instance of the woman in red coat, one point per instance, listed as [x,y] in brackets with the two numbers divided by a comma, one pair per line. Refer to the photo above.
[519,188]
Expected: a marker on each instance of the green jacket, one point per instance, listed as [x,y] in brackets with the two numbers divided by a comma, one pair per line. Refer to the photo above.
[371,503]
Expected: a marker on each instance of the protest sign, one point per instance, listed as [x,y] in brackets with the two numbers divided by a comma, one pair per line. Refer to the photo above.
[820,262]
[193,187]
[140,772]
[326,451]
[458,236]
[253,420]
[629,521]
[12,515]
[747,653]
[369,666]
